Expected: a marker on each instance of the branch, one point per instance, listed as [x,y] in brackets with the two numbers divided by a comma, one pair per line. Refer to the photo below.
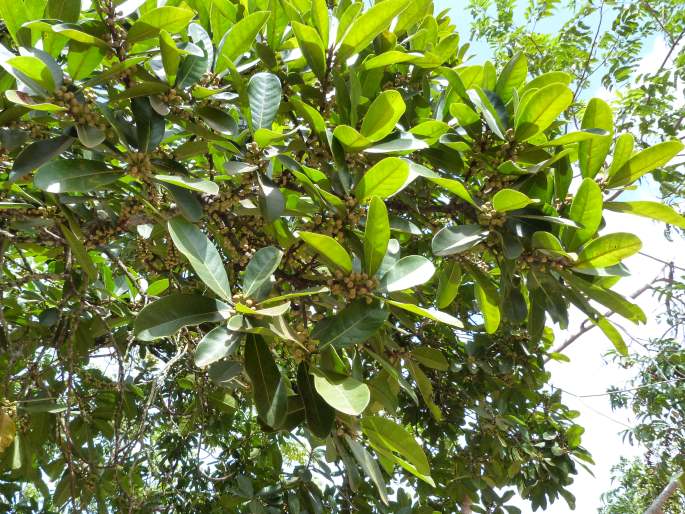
[657,506]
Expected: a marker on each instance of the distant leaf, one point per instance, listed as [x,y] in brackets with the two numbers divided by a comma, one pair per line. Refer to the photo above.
[354,324]
[202,254]
[330,249]
[369,466]
[169,314]
[430,357]
[217,344]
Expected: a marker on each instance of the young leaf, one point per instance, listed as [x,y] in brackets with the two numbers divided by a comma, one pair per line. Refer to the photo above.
[510,200]
[376,235]
[512,77]
[368,26]
[169,314]
[654,210]
[586,210]
[269,389]
[171,19]
[354,324]
[645,161]
[541,110]
[408,272]
[384,179]
[329,249]
[312,48]
[239,39]
[202,254]
[608,250]
[382,115]
[593,152]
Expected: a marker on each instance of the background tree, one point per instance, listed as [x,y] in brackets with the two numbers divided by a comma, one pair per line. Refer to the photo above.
[289,256]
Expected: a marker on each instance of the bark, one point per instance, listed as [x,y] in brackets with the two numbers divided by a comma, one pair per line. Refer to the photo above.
[657,506]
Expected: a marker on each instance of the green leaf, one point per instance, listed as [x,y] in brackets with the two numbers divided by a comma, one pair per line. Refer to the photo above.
[386,435]
[349,396]
[367,26]
[451,240]
[354,324]
[376,235]
[512,77]
[264,93]
[577,137]
[149,124]
[653,210]
[261,267]
[369,466]
[541,110]
[25,100]
[645,161]
[171,19]
[593,152]
[623,150]
[449,280]
[384,179]
[35,69]
[425,388]
[171,55]
[430,357]
[586,210]
[318,414]
[455,187]
[218,343]
[239,39]
[382,115]
[190,183]
[70,31]
[169,314]
[351,140]
[429,313]
[269,389]
[312,48]
[202,254]
[74,176]
[80,252]
[408,272]
[38,153]
[329,249]
[608,250]
[510,200]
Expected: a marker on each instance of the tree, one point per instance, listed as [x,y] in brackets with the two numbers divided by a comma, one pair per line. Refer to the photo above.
[290,256]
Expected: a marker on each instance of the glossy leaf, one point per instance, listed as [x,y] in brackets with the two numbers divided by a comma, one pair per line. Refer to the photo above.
[319,415]
[452,240]
[264,92]
[645,161]
[608,250]
[260,269]
[376,235]
[510,200]
[171,19]
[408,272]
[239,38]
[330,250]
[269,389]
[653,210]
[543,107]
[74,176]
[218,343]
[382,115]
[354,324]
[383,180]
[593,152]
[349,396]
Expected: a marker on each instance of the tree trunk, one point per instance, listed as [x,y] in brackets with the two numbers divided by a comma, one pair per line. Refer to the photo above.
[466,506]
[657,506]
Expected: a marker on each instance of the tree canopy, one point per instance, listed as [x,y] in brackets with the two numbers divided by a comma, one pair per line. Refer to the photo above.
[294,256]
